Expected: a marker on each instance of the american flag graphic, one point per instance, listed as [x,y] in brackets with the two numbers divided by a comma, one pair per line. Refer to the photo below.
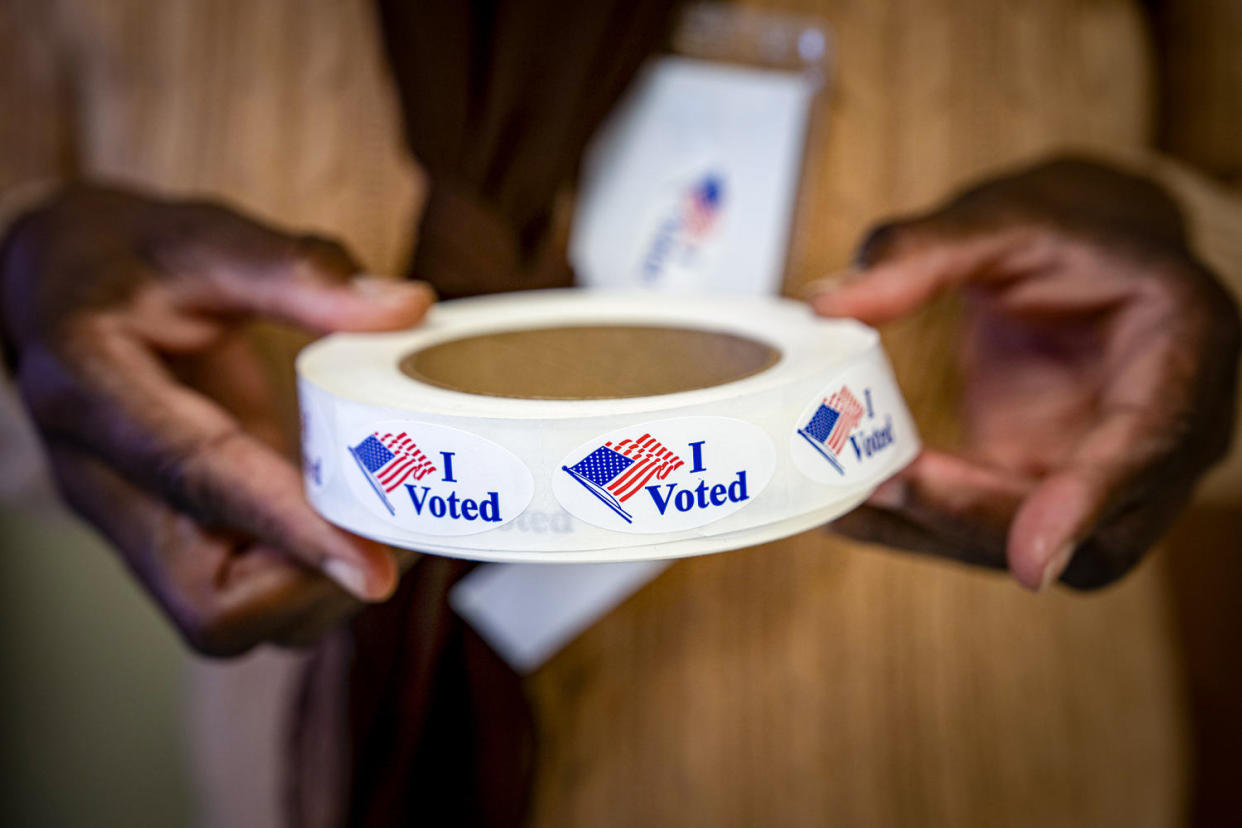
[388,460]
[703,205]
[832,423]
[615,473]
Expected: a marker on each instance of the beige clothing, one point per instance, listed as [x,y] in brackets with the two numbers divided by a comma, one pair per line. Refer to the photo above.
[807,682]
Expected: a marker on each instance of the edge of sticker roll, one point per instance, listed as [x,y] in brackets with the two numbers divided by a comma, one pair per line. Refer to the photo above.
[525,480]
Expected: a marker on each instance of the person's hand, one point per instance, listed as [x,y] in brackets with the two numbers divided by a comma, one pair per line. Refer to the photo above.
[1099,360]
[122,319]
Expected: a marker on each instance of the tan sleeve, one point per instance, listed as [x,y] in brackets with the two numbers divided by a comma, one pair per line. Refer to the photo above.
[36,144]
[1213,214]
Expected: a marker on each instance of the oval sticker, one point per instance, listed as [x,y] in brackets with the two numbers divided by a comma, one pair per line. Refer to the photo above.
[850,432]
[667,475]
[436,480]
[317,467]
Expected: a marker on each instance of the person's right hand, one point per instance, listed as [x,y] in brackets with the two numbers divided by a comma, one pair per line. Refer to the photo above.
[1098,358]
[121,316]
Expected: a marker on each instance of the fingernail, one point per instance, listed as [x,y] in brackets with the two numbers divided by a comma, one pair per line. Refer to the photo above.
[891,495]
[350,578]
[1056,565]
[832,282]
[384,288]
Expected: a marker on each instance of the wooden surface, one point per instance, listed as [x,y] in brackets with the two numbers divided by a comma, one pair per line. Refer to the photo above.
[807,682]
[816,682]
[802,683]
[1201,95]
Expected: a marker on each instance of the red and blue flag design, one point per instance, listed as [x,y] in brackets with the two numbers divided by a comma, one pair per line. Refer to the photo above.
[388,460]
[831,424]
[615,473]
[702,206]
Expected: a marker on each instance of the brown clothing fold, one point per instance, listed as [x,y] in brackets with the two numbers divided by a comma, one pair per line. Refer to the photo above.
[435,731]
[498,102]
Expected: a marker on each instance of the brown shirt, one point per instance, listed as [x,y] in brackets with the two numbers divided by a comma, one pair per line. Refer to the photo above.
[807,682]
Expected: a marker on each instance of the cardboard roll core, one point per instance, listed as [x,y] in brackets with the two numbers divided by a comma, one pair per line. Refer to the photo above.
[589,362]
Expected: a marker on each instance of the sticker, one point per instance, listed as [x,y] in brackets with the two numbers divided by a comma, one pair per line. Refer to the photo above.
[691,182]
[317,464]
[677,246]
[849,432]
[666,476]
[436,480]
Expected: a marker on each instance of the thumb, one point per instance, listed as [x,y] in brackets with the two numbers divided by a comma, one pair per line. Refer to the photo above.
[958,500]
[314,283]
[320,287]
[1115,459]
[903,265]
[364,303]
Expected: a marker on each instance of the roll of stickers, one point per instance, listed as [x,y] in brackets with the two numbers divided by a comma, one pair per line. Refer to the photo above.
[569,426]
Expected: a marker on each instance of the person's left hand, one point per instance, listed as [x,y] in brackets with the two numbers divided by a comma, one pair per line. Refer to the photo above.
[1099,358]
[124,318]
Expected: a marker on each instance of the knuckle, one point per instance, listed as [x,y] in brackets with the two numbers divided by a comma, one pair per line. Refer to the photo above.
[183,473]
[321,254]
[207,211]
[64,202]
[295,612]
[189,236]
[215,633]
[954,222]
[52,395]
[192,218]
[883,241]
[311,631]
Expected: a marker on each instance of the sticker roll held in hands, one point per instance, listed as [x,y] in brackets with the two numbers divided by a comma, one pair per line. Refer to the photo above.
[573,426]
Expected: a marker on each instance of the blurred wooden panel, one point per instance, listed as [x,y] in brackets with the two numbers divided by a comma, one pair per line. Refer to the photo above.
[801,683]
[1204,567]
[1205,573]
[282,108]
[37,145]
[1201,89]
[818,682]
[807,682]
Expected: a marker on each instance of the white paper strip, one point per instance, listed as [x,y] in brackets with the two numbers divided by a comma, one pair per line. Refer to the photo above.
[691,184]
[528,612]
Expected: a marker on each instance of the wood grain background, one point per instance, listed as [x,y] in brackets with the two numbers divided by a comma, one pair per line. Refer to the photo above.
[806,682]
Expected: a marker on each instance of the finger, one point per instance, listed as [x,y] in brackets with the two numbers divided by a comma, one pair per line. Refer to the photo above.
[114,398]
[318,284]
[232,374]
[869,524]
[1067,506]
[1153,435]
[923,263]
[233,263]
[945,504]
[292,605]
[364,303]
[939,485]
[224,597]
